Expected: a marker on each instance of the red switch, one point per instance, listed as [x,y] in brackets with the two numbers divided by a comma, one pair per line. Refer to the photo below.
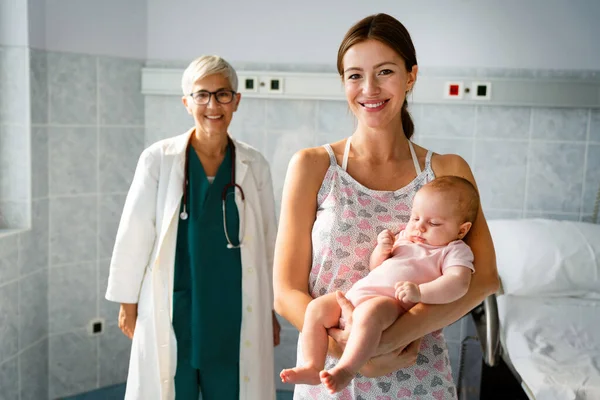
[454,90]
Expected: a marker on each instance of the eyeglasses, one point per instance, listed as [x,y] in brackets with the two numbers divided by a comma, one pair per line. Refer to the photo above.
[223,96]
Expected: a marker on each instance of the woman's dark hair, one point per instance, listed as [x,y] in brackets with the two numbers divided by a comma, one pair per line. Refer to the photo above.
[389,31]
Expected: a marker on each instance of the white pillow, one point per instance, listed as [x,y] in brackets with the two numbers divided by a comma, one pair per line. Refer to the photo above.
[538,257]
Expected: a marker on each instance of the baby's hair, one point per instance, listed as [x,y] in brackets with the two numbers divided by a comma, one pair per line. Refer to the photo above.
[465,195]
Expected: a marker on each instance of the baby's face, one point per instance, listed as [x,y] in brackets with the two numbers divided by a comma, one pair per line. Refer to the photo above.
[434,220]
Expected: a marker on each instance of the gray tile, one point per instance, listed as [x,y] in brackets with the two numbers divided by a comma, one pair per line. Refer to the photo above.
[38,83]
[167,113]
[280,147]
[72,297]
[592,178]
[285,355]
[73,229]
[461,146]
[555,177]
[291,115]
[33,308]
[550,215]
[334,120]
[109,310]
[114,352]
[14,102]
[39,162]
[110,210]
[416,114]
[33,364]
[471,375]
[250,116]
[453,332]
[9,258]
[9,380]
[255,138]
[595,126]
[14,163]
[120,91]
[14,214]
[500,169]
[503,122]
[491,214]
[454,354]
[447,121]
[34,249]
[73,160]
[118,154]
[154,134]
[559,123]
[73,364]
[72,89]
[9,320]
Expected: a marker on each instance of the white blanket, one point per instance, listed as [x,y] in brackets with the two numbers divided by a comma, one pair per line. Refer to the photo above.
[554,344]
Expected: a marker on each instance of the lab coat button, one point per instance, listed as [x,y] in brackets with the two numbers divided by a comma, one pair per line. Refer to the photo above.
[248,343]
[163,345]
[166,381]
[249,308]
[246,378]
[250,270]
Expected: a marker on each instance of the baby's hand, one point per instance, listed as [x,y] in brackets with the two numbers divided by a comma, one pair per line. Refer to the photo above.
[407,292]
[385,241]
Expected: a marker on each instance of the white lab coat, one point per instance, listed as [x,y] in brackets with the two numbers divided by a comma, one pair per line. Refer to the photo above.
[142,269]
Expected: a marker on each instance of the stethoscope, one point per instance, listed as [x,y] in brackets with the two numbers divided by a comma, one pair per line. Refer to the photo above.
[184,215]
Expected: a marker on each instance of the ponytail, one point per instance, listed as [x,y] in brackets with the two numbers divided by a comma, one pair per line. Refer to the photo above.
[407,123]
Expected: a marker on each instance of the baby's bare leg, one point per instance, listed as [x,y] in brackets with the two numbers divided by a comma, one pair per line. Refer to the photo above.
[370,319]
[322,313]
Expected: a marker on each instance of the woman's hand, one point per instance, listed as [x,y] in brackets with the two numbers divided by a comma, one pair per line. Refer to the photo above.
[392,361]
[276,331]
[127,319]
[341,334]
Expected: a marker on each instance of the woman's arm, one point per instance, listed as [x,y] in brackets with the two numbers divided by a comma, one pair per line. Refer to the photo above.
[293,247]
[426,318]
[136,233]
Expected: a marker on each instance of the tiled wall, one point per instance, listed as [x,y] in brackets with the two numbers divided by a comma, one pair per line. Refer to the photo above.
[86,135]
[94,132]
[23,256]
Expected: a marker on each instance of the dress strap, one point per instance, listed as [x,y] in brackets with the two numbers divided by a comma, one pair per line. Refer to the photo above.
[414,157]
[428,159]
[332,159]
[346,153]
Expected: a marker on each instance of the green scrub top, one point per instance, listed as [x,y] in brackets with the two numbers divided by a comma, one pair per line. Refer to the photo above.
[207,298]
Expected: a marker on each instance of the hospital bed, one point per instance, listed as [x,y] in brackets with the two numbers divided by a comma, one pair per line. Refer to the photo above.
[545,320]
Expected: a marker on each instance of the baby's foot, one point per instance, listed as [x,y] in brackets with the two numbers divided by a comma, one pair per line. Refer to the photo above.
[301,375]
[336,379]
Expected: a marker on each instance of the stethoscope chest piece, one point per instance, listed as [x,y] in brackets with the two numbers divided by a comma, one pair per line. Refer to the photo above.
[183,215]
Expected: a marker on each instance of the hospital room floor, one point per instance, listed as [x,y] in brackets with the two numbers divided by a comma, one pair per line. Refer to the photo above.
[498,383]
[118,392]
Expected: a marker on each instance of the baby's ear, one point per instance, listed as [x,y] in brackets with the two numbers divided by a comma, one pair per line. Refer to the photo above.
[464,229]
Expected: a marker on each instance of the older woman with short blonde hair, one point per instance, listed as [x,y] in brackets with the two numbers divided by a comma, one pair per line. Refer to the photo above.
[192,263]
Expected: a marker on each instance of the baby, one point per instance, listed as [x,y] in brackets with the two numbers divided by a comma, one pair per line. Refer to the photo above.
[427,262]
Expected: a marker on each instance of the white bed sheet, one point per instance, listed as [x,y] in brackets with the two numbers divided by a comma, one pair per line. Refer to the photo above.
[554,345]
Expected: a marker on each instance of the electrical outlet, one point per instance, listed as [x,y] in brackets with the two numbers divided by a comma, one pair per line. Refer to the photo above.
[249,84]
[454,90]
[274,85]
[96,326]
[482,90]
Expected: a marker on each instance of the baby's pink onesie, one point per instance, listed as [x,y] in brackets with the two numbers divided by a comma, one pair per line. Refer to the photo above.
[413,262]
